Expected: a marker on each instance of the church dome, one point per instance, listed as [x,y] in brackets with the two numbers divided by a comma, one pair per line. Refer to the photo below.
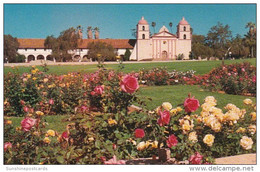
[183,21]
[163,29]
[142,21]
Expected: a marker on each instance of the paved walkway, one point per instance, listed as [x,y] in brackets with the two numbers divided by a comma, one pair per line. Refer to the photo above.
[41,62]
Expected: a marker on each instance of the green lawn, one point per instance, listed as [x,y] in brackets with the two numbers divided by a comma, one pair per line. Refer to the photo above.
[201,67]
[159,94]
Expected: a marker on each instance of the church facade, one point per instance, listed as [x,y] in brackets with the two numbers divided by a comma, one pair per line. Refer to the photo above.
[159,46]
[162,45]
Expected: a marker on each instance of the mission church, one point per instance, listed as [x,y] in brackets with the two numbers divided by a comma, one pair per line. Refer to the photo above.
[160,46]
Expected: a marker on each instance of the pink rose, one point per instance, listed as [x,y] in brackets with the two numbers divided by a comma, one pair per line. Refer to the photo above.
[51,101]
[27,123]
[139,133]
[191,104]
[25,109]
[7,145]
[254,79]
[172,141]
[99,90]
[196,158]
[114,161]
[129,84]
[164,118]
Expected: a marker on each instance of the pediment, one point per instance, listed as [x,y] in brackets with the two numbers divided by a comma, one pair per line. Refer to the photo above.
[164,34]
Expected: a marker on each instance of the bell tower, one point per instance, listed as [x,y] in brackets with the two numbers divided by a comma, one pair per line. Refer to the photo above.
[142,30]
[183,30]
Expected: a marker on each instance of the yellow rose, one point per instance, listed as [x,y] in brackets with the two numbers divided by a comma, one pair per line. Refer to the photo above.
[155,144]
[91,139]
[173,111]
[216,126]
[179,109]
[193,137]
[210,99]
[248,101]
[9,122]
[209,139]
[34,78]
[158,109]
[62,85]
[45,80]
[51,133]
[147,144]
[33,71]
[39,113]
[111,121]
[240,130]
[253,115]
[141,146]
[28,76]
[246,142]
[167,106]
[46,140]
[230,106]
[252,129]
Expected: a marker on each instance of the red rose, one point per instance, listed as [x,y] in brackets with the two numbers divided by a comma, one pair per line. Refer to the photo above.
[129,84]
[172,141]
[164,118]
[196,158]
[65,135]
[7,145]
[27,123]
[191,104]
[139,133]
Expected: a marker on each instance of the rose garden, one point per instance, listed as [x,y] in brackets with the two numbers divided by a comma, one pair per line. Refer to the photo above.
[102,117]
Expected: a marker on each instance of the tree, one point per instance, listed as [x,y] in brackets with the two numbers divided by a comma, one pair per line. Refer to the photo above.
[127,55]
[96,30]
[89,32]
[11,46]
[101,51]
[199,48]
[153,25]
[250,38]
[63,46]
[239,50]
[170,24]
[133,32]
[217,38]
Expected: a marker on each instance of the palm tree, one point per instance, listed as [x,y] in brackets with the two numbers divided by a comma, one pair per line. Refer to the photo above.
[89,32]
[96,30]
[250,37]
[79,31]
[153,25]
[170,24]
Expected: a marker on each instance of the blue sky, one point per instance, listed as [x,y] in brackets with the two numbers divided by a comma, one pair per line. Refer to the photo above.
[117,20]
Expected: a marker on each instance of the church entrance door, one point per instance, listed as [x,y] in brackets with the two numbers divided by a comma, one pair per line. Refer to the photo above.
[164,55]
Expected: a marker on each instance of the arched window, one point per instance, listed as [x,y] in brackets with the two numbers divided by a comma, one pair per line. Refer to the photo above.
[143,36]
[184,36]
[143,27]
[184,28]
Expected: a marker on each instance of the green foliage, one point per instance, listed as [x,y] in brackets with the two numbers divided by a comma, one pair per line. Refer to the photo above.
[67,41]
[11,45]
[127,55]
[101,51]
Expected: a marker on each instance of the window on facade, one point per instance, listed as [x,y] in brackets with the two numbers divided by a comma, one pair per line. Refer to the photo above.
[34,49]
[184,36]
[143,36]
[184,28]
[25,49]
[143,27]
[44,49]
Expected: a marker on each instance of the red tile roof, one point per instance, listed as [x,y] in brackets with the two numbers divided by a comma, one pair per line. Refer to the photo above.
[116,43]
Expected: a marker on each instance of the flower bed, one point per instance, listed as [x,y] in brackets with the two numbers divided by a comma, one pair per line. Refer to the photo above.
[103,132]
